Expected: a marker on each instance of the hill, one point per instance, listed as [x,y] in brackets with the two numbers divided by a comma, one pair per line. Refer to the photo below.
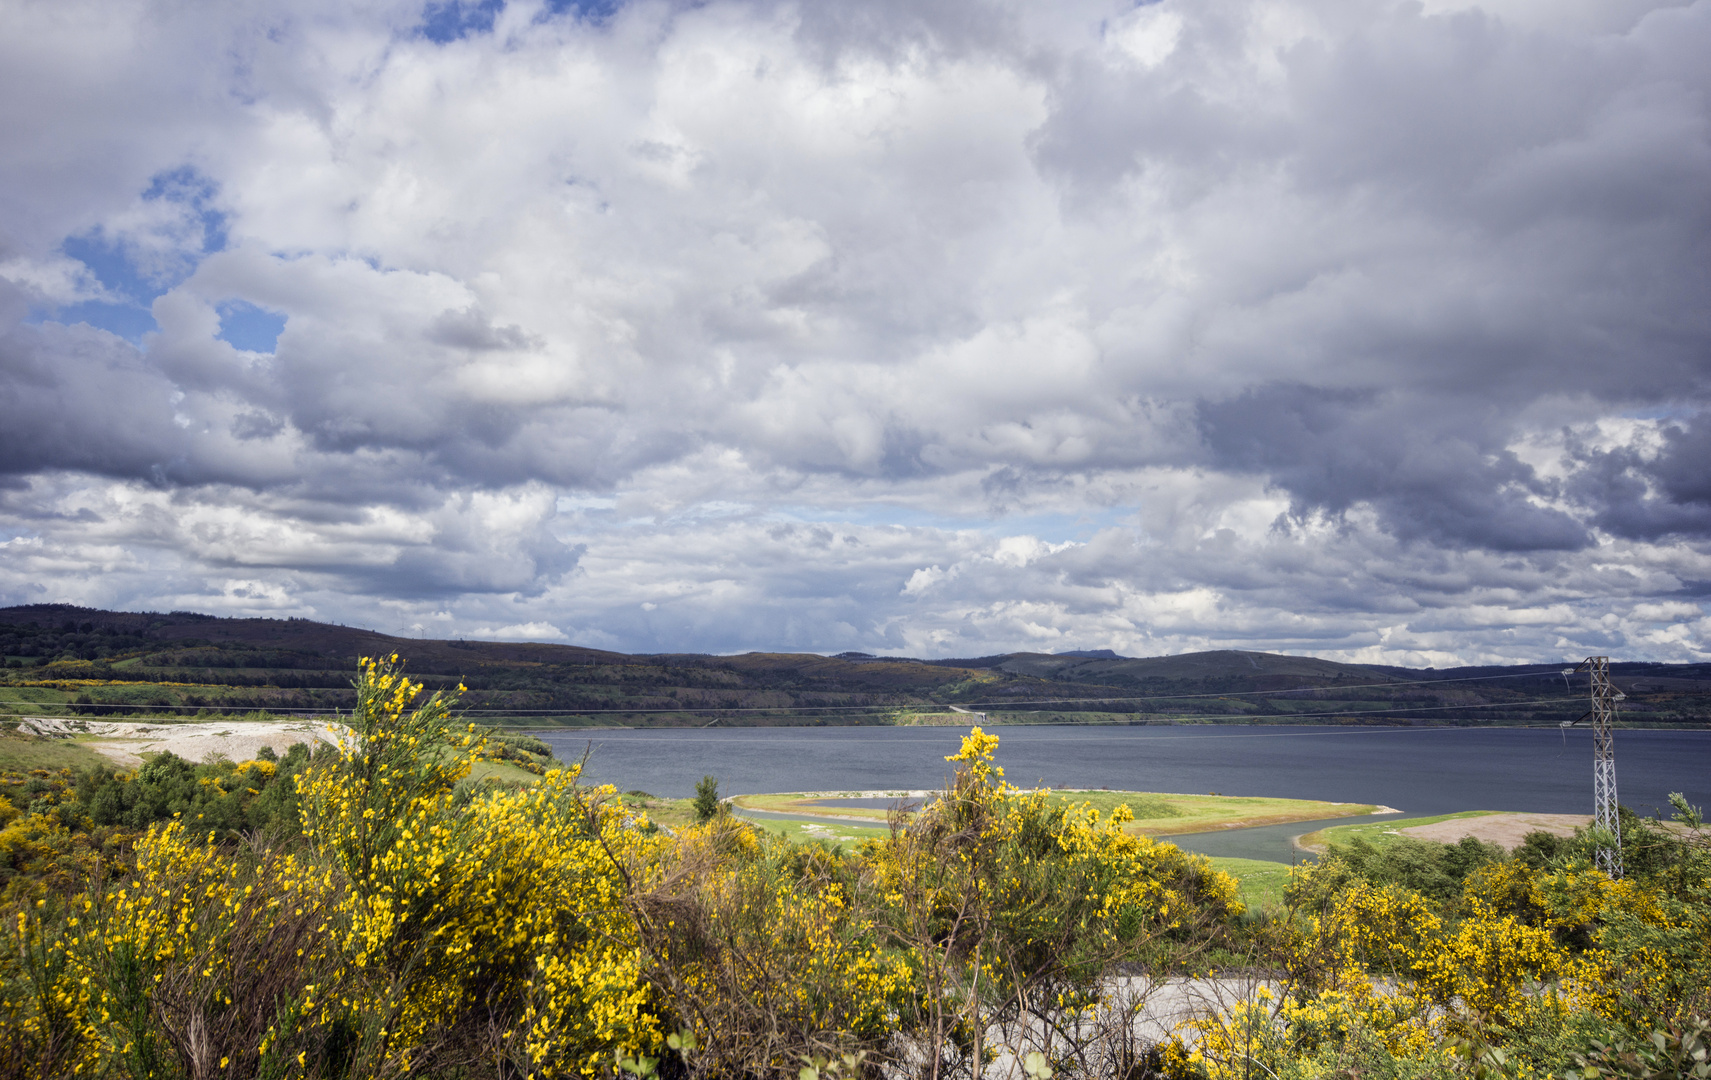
[60,658]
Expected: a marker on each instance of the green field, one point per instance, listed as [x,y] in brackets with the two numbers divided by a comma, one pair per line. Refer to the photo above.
[21,753]
[1155,814]
[1175,815]
[1378,833]
[1261,882]
[802,804]
[666,813]
[840,834]
[27,700]
[501,770]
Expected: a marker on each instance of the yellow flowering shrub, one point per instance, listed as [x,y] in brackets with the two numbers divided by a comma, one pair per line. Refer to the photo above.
[419,925]
[1329,1035]
[1015,906]
[196,960]
[41,1010]
[422,923]
[1355,969]
[765,951]
[1430,989]
[504,908]
[45,845]
[541,918]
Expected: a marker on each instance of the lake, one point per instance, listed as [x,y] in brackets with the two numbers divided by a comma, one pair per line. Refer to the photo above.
[1418,770]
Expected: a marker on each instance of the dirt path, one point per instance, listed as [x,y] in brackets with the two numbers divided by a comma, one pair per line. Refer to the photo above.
[126,743]
[1505,830]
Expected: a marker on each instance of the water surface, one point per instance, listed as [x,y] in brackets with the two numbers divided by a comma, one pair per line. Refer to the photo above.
[1417,770]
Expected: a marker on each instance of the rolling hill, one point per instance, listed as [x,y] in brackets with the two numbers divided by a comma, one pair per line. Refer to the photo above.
[63,659]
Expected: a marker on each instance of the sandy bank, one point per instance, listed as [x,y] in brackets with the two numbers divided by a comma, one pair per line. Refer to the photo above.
[126,743]
[1504,830]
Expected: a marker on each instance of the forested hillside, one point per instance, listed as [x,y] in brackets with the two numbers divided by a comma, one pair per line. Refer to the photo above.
[61,659]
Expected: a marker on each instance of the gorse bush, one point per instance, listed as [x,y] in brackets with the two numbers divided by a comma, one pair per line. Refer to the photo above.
[1436,871]
[1013,908]
[989,917]
[527,752]
[224,797]
[412,927]
[413,923]
[57,828]
[374,910]
[764,951]
[1422,960]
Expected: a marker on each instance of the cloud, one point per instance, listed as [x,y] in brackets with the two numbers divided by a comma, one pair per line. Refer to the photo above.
[532,631]
[1448,480]
[80,398]
[1368,330]
[1651,487]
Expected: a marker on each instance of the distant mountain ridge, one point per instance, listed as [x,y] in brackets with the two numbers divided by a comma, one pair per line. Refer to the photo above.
[303,664]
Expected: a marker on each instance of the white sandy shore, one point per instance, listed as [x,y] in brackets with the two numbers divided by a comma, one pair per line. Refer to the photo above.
[126,742]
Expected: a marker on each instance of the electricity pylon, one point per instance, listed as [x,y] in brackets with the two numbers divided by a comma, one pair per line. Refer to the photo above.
[1604,699]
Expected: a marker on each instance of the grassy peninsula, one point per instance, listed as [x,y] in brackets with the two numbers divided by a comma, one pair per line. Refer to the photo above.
[1155,814]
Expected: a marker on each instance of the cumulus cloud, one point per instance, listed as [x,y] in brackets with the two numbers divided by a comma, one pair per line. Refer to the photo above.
[1370,330]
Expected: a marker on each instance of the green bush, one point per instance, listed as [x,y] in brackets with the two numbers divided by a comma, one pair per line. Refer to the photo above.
[706,799]
[1677,1053]
[1433,870]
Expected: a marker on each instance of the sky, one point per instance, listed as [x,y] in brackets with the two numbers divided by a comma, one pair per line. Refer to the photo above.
[1378,331]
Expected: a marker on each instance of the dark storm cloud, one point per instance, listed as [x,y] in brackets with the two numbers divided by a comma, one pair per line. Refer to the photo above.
[1508,165]
[1683,469]
[1436,470]
[1653,495]
[79,398]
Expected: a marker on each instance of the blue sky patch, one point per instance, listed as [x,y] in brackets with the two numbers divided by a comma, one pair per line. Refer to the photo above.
[245,326]
[128,314]
[592,10]
[135,270]
[109,263]
[128,321]
[187,186]
[451,20]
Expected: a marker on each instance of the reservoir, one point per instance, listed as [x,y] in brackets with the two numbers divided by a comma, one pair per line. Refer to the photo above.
[1418,770]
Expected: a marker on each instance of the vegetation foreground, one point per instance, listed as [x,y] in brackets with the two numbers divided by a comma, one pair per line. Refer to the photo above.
[396,907]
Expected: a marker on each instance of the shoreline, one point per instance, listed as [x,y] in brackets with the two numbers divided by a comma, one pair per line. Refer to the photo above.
[1200,813]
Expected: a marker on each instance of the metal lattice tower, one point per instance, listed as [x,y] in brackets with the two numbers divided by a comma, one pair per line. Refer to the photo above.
[1604,698]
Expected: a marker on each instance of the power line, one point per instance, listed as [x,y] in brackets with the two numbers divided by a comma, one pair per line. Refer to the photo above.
[1307,734]
[1250,693]
[547,714]
[1044,701]
[1011,705]
[997,704]
[1360,712]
